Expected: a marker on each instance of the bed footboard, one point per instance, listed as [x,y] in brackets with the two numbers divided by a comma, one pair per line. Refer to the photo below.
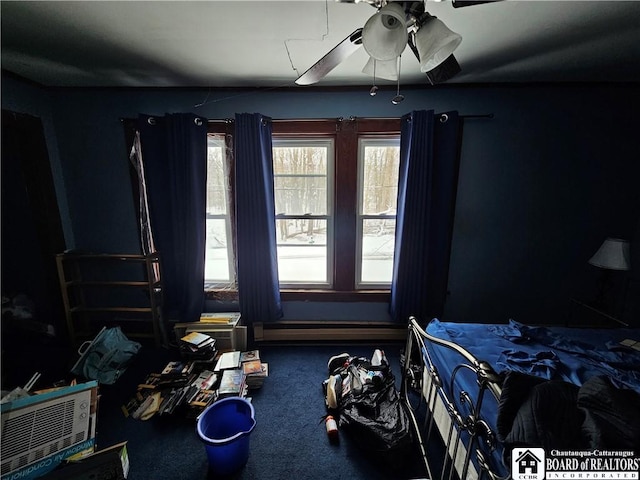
[445,403]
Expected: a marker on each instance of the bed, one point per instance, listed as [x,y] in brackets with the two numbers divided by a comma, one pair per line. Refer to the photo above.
[464,384]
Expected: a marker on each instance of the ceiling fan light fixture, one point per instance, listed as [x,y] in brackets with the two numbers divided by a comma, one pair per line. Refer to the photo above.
[445,71]
[387,69]
[435,42]
[385,35]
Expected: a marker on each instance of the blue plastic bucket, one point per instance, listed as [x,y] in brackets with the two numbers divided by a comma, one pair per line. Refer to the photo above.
[224,427]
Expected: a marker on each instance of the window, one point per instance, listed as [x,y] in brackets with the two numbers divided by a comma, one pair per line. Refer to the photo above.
[302,170]
[219,259]
[352,241]
[378,166]
[335,186]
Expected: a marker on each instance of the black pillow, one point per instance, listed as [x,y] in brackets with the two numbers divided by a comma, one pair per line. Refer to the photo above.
[548,418]
[612,415]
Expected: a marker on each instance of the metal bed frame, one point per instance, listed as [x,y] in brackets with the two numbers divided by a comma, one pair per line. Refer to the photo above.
[437,407]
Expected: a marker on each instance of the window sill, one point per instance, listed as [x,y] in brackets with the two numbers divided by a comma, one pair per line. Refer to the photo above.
[293,295]
[335,296]
[221,295]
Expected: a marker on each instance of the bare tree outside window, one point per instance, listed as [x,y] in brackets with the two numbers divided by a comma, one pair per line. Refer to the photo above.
[301,184]
[219,268]
[379,161]
[335,193]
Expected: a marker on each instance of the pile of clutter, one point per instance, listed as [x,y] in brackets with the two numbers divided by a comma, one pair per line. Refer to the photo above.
[18,314]
[196,381]
[361,398]
[364,372]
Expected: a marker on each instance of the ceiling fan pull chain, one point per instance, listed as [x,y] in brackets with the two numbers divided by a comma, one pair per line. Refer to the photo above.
[398,98]
[374,89]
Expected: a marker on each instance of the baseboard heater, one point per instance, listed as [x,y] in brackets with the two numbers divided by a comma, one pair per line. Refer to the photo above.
[302,331]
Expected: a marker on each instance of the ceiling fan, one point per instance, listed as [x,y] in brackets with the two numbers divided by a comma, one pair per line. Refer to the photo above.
[385,35]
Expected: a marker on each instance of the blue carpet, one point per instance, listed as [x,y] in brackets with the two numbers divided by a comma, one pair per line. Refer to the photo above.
[288,442]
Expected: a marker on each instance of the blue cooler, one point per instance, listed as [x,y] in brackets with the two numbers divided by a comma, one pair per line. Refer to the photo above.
[224,427]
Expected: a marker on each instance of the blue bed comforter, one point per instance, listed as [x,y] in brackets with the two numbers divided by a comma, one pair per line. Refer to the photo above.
[555,353]
[558,366]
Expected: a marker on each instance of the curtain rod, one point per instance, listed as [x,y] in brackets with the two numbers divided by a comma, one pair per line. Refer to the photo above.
[340,119]
[480,115]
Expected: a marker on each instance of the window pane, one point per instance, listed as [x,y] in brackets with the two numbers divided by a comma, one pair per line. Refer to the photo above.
[217,183]
[378,190]
[300,177]
[216,266]
[302,251]
[302,192]
[380,179]
[378,241]
[297,195]
[218,248]
[294,158]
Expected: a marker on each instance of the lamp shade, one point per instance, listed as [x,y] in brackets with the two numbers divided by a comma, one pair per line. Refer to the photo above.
[435,43]
[387,69]
[385,35]
[613,254]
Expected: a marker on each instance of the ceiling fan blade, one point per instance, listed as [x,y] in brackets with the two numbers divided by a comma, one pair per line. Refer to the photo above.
[468,3]
[331,60]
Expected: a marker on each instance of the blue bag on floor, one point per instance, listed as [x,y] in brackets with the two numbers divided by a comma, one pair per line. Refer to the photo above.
[106,357]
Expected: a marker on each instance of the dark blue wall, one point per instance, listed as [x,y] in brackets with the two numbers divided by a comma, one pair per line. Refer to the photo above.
[541,184]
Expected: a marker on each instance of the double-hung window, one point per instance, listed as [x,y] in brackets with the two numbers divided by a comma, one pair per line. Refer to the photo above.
[219,267]
[303,189]
[378,163]
[335,187]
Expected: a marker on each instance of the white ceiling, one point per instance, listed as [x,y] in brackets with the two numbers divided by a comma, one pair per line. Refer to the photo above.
[270,43]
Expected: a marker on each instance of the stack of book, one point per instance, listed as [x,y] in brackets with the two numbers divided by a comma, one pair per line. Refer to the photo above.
[232,377]
[160,393]
[232,383]
[228,360]
[254,370]
[198,345]
[224,318]
[226,327]
[255,374]
[194,384]
[177,385]
[201,393]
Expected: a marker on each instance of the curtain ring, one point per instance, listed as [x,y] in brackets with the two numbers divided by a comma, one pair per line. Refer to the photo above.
[444,117]
[197,121]
[151,121]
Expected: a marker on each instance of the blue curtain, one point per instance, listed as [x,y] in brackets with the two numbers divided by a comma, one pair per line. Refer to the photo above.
[174,155]
[258,287]
[427,185]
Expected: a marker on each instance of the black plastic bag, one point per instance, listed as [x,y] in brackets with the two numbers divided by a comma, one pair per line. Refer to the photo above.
[370,410]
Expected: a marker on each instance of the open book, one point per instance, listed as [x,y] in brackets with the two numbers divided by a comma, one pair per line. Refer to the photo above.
[627,342]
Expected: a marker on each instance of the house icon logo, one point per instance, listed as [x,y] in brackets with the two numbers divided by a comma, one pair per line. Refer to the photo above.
[527,464]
